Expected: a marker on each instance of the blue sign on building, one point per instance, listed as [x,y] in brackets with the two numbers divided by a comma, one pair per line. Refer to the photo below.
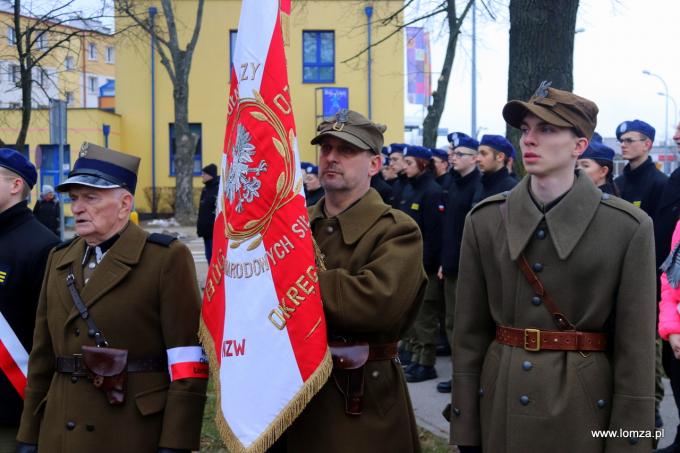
[334,99]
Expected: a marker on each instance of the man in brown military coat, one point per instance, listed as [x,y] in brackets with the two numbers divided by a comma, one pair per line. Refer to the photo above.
[137,293]
[371,289]
[538,367]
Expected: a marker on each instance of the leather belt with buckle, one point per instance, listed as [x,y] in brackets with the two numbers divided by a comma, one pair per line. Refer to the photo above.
[535,340]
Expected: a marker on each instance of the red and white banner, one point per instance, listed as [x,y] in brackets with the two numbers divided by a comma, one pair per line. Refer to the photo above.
[13,357]
[262,323]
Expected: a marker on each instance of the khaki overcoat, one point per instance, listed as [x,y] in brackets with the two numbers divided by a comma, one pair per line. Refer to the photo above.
[144,298]
[595,254]
[371,291]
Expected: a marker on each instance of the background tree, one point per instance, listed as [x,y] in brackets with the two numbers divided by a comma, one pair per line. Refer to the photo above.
[177,62]
[453,23]
[37,34]
[541,48]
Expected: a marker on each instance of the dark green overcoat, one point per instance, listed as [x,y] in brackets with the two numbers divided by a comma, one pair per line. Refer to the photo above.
[371,290]
[595,254]
[144,298]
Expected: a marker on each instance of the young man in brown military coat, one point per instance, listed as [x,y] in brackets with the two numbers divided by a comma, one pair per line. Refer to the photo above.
[137,292]
[371,289]
[539,367]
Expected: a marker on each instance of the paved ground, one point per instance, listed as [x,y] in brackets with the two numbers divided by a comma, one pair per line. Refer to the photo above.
[427,402]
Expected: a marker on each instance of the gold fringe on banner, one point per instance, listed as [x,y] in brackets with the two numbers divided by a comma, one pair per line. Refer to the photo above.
[285,418]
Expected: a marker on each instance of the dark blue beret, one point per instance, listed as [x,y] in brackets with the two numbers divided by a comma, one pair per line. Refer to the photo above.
[460,139]
[598,151]
[308,167]
[385,151]
[418,151]
[596,138]
[440,153]
[397,148]
[636,126]
[499,143]
[15,162]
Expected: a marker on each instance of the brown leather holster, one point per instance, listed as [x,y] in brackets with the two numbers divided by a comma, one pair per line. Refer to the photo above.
[349,360]
[107,369]
[348,373]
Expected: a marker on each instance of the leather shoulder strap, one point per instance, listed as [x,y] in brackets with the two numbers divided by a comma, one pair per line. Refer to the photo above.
[560,320]
[92,329]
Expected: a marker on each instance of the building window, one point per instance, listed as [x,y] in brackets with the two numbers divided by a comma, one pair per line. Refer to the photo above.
[110,55]
[41,76]
[92,51]
[11,36]
[14,73]
[15,105]
[70,64]
[41,41]
[318,56]
[195,129]
[69,98]
[92,84]
[232,48]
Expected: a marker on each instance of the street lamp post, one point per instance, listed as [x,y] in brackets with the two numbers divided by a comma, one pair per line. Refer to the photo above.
[665,87]
[675,106]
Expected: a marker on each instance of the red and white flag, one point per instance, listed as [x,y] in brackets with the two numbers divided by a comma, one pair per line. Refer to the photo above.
[13,357]
[262,323]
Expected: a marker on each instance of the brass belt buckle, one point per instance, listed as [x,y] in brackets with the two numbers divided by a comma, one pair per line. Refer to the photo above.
[527,344]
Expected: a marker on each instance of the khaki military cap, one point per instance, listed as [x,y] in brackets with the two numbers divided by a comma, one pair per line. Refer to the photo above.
[102,168]
[556,107]
[354,128]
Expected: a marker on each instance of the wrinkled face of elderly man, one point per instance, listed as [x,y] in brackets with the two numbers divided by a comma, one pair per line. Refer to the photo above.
[99,213]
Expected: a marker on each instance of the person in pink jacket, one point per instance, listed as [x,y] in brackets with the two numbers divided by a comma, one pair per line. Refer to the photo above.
[669,322]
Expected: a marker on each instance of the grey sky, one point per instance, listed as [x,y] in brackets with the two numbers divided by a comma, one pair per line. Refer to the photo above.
[620,39]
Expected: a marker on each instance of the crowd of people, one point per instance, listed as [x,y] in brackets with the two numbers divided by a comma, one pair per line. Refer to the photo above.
[545,289]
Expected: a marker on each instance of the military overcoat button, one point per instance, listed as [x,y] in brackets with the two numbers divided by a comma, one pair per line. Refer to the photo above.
[538,267]
[526,365]
[89,427]
[524,400]
[456,412]
[540,234]
[601,403]
[375,374]
[329,229]
[91,265]
[70,425]
[481,392]
[633,440]
[536,300]
[77,332]
[74,379]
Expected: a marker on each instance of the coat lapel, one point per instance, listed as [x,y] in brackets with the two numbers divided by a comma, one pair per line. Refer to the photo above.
[115,266]
[523,218]
[72,259]
[567,221]
[357,219]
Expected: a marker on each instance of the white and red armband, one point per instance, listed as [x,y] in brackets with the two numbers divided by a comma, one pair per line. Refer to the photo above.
[187,362]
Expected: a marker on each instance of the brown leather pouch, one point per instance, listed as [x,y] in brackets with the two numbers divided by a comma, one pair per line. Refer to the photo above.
[107,368]
[348,373]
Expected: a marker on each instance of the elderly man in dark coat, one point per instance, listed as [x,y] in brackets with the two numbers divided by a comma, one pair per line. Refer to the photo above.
[555,315]
[116,365]
[371,289]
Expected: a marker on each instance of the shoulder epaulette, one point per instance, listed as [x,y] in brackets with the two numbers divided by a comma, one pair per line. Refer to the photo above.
[161,239]
[622,205]
[498,198]
[65,244]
